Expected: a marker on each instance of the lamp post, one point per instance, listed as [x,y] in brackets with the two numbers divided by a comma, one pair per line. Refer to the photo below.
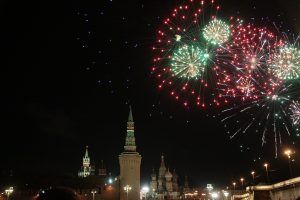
[234,184]
[266,165]
[288,153]
[242,181]
[93,193]
[127,188]
[253,177]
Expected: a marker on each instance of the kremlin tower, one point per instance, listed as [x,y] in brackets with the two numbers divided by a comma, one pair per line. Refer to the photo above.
[130,163]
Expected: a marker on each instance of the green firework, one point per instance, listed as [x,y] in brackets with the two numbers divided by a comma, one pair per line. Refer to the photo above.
[189,61]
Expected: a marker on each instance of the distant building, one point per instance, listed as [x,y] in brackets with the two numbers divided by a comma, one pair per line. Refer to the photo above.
[130,163]
[86,169]
[165,185]
[186,187]
[102,170]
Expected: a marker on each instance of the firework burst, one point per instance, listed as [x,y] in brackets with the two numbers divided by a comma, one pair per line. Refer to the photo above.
[216,32]
[286,63]
[184,61]
[265,117]
[295,112]
[189,62]
[247,58]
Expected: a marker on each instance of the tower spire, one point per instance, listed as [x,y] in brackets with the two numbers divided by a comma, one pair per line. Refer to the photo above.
[162,162]
[162,168]
[86,155]
[130,138]
[130,118]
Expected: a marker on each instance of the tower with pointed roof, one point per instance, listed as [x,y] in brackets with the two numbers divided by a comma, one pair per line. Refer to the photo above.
[102,169]
[161,174]
[175,181]
[169,184]
[86,168]
[186,187]
[130,163]
[162,168]
[153,183]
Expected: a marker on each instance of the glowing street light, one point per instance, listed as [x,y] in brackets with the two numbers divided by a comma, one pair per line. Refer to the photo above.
[226,194]
[9,191]
[253,176]
[214,195]
[266,165]
[127,189]
[242,181]
[288,153]
[234,184]
[145,190]
[93,193]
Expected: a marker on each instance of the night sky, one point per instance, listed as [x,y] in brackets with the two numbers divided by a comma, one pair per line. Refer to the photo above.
[72,68]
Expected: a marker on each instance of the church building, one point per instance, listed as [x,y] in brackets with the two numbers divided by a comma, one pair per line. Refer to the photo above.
[165,185]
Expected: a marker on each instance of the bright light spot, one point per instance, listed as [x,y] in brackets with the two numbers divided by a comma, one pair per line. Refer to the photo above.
[145,189]
[214,195]
[275,97]
[177,38]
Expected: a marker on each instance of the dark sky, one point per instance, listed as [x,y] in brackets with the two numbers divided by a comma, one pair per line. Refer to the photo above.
[70,71]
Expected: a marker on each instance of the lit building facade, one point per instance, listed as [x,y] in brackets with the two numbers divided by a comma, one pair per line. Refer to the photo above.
[165,184]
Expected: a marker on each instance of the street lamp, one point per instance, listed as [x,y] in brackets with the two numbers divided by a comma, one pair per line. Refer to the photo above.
[234,184]
[288,153]
[145,190]
[226,194]
[242,181]
[127,188]
[214,195]
[266,165]
[93,193]
[9,191]
[253,177]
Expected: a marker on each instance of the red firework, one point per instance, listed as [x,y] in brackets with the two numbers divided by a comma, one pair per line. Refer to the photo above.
[184,26]
[247,59]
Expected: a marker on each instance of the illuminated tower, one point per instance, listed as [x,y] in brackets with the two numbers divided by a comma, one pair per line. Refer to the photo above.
[169,184]
[86,158]
[153,183]
[161,174]
[130,163]
[102,170]
[86,168]
[162,168]
[186,187]
[175,181]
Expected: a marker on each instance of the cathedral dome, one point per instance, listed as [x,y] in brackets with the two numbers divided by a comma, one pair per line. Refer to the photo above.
[168,174]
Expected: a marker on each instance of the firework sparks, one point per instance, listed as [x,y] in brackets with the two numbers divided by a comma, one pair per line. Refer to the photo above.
[184,61]
[286,63]
[189,62]
[266,116]
[246,86]
[295,109]
[247,59]
[216,32]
